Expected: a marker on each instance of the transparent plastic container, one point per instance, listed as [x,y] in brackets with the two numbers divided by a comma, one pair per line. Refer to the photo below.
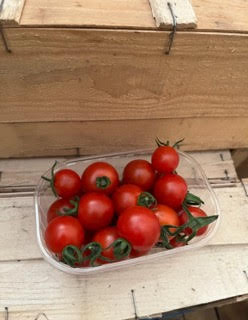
[188,168]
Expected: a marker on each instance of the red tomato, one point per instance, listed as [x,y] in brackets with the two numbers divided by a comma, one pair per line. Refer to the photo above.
[57,207]
[165,159]
[166,216]
[63,231]
[67,183]
[140,173]
[170,190]
[126,196]
[100,177]
[136,254]
[196,212]
[175,244]
[106,237]
[95,211]
[140,227]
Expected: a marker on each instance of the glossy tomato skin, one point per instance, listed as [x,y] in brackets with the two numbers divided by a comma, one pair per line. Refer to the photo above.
[126,196]
[166,216]
[67,183]
[140,173]
[196,212]
[165,159]
[170,190]
[63,231]
[58,206]
[96,171]
[140,227]
[106,237]
[95,211]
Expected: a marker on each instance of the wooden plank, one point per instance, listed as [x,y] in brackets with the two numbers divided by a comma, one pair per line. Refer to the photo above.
[26,172]
[11,11]
[17,224]
[234,311]
[97,137]
[211,14]
[70,84]
[182,10]
[240,158]
[30,287]
[208,314]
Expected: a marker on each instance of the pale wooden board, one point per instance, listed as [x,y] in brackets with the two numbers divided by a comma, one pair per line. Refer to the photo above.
[11,11]
[17,225]
[211,14]
[235,311]
[26,172]
[30,287]
[68,74]
[97,137]
[181,9]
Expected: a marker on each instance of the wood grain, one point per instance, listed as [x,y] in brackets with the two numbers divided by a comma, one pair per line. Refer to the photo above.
[225,15]
[234,311]
[182,10]
[208,314]
[96,137]
[30,287]
[11,11]
[17,226]
[72,75]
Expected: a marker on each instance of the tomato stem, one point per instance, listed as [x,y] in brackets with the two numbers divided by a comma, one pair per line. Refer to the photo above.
[121,248]
[103,182]
[51,180]
[167,143]
[192,199]
[71,255]
[147,200]
[70,212]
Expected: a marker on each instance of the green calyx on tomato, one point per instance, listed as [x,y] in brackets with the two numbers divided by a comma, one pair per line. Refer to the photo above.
[147,200]
[167,143]
[194,223]
[73,211]
[72,255]
[51,180]
[192,199]
[103,182]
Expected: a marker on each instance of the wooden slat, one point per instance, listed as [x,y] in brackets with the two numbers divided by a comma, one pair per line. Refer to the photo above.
[68,74]
[30,287]
[234,311]
[97,137]
[11,11]
[182,10]
[208,314]
[211,14]
[26,172]
[17,224]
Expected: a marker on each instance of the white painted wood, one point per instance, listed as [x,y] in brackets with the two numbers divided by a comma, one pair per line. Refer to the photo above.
[11,11]
[26,172]
[203,276]
[17,224]
[183,11]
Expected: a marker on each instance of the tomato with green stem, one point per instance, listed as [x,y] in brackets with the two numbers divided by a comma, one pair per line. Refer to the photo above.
[100,177]
[63,231]
[140,173]
[95,211]
[196,212]
[62,207]
[166,216]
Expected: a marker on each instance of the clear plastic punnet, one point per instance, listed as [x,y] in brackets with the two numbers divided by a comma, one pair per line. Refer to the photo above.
[188,168]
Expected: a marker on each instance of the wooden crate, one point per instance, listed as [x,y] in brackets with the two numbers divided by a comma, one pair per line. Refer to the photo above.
[92,76]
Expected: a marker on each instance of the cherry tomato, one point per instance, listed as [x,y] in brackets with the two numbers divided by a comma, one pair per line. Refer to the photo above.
[106,237]
[58,208]
[63,231]
[126,196]
[196,212]
[175,243]
[100,177]
[170,190]
[166,216]
[95,211]
[67,183]
[140,227]
[165,159]
[136,254]
[140,173]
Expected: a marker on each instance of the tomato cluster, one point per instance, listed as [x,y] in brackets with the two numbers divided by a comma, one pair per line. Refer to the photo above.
[98,218]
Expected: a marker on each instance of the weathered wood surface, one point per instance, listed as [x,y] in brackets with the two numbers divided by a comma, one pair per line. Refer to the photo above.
[11,11]
[31,286]
[225,15]
[182,10]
